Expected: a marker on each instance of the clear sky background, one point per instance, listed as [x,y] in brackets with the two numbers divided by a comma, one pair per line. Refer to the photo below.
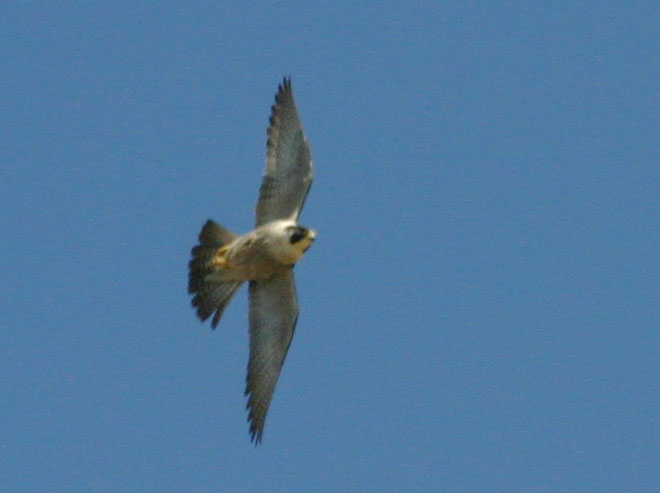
[480,311]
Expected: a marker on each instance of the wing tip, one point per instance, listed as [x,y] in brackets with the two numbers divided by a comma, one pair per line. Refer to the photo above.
[283,89]
[285,84]
[256,425]
[284,92]
[255,436]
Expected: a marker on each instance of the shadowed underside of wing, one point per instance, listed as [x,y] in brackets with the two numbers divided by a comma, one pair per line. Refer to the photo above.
[289,169]
[273,314]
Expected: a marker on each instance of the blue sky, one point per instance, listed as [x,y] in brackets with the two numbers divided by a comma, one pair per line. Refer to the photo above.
[480,309]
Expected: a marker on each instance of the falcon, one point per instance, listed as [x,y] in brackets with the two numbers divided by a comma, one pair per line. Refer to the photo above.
[264,257]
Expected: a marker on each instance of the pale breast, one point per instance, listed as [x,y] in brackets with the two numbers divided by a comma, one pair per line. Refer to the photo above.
[254,258]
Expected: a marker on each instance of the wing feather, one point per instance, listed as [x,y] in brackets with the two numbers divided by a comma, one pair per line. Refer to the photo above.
[289,168]
[273,315]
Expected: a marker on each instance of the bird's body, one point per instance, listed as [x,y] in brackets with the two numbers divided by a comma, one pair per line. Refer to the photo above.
[264,257]
[261,253]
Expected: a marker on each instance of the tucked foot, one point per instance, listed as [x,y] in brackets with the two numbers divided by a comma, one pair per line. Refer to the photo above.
[220,257]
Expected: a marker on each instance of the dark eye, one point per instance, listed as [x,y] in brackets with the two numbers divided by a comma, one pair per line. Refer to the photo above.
[297,235]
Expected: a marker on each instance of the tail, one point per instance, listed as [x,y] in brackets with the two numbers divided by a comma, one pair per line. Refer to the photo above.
[209,296]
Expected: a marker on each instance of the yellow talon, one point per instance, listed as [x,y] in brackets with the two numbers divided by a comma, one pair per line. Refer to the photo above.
[220,259]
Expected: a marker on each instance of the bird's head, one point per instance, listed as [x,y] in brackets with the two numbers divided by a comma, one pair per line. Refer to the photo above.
[301,237]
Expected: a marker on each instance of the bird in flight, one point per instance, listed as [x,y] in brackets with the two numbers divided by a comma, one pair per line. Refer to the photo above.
[264,257]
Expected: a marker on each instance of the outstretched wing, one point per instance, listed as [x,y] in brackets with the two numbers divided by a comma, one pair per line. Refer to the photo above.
[273,314]
[289,169]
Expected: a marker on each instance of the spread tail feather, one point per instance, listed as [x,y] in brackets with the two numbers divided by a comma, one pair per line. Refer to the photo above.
[210,296]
